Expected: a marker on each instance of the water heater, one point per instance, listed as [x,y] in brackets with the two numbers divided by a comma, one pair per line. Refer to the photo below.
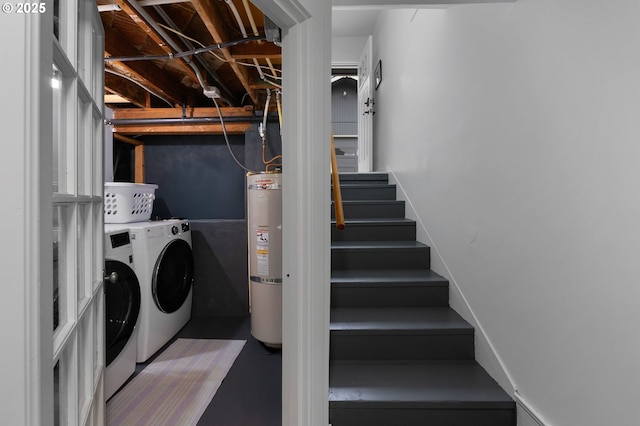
[264,211]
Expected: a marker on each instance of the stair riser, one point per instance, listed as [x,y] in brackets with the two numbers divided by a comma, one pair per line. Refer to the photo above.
[347,346]
[376,296]
[420,417]
[370,210]
[374,233]
[380,259]
[352,178]
[365,192]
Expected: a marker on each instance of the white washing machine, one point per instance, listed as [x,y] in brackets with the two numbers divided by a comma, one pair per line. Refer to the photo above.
[122,308]
[164,265]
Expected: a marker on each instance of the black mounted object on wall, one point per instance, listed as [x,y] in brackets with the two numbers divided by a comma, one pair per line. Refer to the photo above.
[378,73]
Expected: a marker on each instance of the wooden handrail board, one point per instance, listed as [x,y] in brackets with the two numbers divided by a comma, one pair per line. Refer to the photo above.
[337,194]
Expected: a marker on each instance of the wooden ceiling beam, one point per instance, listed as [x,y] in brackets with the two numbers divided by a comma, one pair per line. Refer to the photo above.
[127,139]
[254,50]
[212,20]
[183,129]
[121,87]
[189,112]
[157,84]
[145,73]
[156,37]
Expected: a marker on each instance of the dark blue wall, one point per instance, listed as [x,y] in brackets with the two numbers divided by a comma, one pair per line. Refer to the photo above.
[198,178]
[221,279]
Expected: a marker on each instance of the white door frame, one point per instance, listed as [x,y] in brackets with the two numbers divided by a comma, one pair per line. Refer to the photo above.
[26,309]
[306,26]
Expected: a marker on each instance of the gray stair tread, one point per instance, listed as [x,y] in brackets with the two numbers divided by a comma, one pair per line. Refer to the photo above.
[421,385]
[384,245]
[399,320]
[365,202]
[370,185]
[384,221]
[387,276]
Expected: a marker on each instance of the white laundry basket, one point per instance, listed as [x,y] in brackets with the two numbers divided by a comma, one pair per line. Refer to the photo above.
[126,202]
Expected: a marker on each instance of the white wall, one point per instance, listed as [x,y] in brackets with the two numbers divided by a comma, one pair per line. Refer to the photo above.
[514,130]
[346,50]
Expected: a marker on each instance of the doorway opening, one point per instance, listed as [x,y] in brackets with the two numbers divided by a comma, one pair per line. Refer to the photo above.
[344,117]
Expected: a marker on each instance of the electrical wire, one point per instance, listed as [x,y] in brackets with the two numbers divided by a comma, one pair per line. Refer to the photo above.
[263,135]
[221,59]
[192,52]
[236,14]
[226,139]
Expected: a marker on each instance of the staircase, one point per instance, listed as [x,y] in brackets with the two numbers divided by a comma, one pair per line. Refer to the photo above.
[399,355]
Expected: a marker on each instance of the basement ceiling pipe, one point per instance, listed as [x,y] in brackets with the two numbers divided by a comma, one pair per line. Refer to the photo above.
[194,120]
[114,6]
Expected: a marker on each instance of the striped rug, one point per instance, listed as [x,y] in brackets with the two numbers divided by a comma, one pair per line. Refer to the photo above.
[177,386]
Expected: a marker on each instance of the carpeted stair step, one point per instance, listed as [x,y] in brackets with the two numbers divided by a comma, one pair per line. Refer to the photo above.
[388,287]
[379,229]
[379,255]
[416,394]
[399,333]
[360,209]
[370,191]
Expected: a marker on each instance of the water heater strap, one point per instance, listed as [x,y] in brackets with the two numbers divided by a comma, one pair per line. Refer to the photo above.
[266,280]
[266,186]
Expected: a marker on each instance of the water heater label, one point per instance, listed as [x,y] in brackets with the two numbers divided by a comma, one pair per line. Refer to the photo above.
[262,251]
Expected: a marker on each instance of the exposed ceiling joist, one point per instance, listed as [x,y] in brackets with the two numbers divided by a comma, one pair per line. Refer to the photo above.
[256,50]
[127,139]
[164,51]
[211,19]
[137,15]
[126,90]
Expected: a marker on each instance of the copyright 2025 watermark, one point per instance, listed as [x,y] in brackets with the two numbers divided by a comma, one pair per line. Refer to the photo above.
[24,8]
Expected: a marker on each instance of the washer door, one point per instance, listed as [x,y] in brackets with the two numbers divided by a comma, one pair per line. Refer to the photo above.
[172,276]
[122,305]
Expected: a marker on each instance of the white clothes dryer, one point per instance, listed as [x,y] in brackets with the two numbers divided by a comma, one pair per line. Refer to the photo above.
[122,308]
[164,265]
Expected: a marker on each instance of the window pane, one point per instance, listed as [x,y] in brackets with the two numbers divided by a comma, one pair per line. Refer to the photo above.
[85,365]
[63,136]
[56,395]
[85,130]
[56,84]
[56,19]
[84,249]
[98,138]
[83,43]
[61,391]
[98,341]
[63,264]
[58,269]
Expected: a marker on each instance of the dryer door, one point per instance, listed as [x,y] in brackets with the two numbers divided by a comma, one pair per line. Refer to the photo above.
[172,276]
[122,305]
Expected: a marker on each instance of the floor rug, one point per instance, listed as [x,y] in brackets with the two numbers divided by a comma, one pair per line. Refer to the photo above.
[176,387]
